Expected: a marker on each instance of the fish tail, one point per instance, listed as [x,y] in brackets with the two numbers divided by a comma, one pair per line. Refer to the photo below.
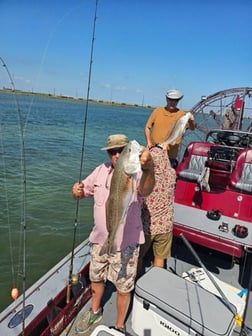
[113,249]
[105,248]
[108,248]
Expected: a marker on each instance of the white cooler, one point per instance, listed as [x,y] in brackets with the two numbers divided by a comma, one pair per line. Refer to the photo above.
[103,330]
[166,304]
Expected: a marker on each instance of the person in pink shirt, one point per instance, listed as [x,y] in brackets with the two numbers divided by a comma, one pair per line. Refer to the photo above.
[119,268]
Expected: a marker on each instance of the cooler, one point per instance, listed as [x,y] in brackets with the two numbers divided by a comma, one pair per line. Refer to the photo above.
[166,304]
[102,330]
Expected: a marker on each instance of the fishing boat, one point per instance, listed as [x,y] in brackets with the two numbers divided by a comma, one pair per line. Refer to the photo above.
[205,287]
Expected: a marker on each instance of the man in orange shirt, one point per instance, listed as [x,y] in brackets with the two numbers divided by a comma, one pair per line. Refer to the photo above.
[161,122]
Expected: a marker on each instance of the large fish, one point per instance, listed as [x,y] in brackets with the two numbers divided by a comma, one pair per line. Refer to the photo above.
[177,131]
[123,184]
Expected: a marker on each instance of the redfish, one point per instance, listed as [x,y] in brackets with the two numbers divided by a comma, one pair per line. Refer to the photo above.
[177,131]
[123,184]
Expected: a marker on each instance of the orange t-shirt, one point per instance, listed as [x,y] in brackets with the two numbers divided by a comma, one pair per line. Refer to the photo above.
[161,123]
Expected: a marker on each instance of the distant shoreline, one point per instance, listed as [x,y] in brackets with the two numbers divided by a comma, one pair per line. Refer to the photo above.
[48,95]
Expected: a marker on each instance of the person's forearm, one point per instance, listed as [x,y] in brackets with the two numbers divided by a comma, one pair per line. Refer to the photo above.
[147,182]
[147,134]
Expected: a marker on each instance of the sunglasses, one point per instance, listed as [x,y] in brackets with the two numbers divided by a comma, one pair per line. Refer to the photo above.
[114,151]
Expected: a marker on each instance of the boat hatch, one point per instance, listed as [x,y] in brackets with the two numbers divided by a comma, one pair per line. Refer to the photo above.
[20,316]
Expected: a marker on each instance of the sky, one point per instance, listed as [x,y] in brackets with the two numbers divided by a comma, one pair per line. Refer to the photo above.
[141,49]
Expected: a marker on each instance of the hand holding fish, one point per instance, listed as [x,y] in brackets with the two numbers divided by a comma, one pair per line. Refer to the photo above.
[146,160]
[147,181]
[78,191]
[165,146]
[191,116]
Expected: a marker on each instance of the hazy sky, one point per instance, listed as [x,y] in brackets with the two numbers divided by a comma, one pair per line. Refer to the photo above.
[142,48]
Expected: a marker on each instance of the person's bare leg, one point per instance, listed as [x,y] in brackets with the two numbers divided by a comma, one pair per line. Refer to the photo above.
[122,305]
[158,262]
[97,293]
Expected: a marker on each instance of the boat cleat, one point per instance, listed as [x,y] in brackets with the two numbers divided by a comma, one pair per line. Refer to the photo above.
[223,227]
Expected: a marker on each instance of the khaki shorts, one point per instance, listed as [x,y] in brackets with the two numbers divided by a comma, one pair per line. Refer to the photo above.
[161,244]
[119,268]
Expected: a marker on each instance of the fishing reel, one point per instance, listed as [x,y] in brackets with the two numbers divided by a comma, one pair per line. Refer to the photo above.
[75,279]
[78,284]
[78,279]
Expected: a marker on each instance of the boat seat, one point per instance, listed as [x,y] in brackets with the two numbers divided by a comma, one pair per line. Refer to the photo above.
[193,162]
[241,177]
[196,165]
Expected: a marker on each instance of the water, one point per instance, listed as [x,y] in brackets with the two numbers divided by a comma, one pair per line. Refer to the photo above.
[53,137]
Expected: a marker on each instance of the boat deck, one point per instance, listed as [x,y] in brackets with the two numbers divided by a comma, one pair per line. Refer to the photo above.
[182,260]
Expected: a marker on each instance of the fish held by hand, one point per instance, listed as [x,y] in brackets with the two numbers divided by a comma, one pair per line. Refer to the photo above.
[177,131]
[123,184]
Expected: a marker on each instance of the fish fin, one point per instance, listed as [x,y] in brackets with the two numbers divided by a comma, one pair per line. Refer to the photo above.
[106,210]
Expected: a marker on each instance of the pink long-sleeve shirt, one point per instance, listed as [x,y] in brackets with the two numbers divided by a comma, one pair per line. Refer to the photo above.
[97,185]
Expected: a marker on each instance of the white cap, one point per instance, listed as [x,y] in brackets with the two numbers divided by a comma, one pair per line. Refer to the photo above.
[174,94]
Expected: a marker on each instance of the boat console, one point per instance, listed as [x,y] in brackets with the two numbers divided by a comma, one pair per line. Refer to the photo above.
[230,138]
[222,153]
[221,161]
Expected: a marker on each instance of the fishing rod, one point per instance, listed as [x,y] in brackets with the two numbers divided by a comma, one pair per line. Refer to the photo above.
[23,210]
[238,319]
[70,280]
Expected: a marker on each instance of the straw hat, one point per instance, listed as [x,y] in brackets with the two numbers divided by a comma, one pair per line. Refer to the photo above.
[116,141]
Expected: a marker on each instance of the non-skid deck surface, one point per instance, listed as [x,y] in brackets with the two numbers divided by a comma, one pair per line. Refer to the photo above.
[181,261]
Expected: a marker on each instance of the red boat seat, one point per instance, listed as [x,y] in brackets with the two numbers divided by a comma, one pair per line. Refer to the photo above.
[193,162]
[241,177]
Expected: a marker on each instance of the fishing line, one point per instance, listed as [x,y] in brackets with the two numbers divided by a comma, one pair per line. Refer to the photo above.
[44,57]
[6,186]
[23,180]
[83,149]
[7,207]
[237,318]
